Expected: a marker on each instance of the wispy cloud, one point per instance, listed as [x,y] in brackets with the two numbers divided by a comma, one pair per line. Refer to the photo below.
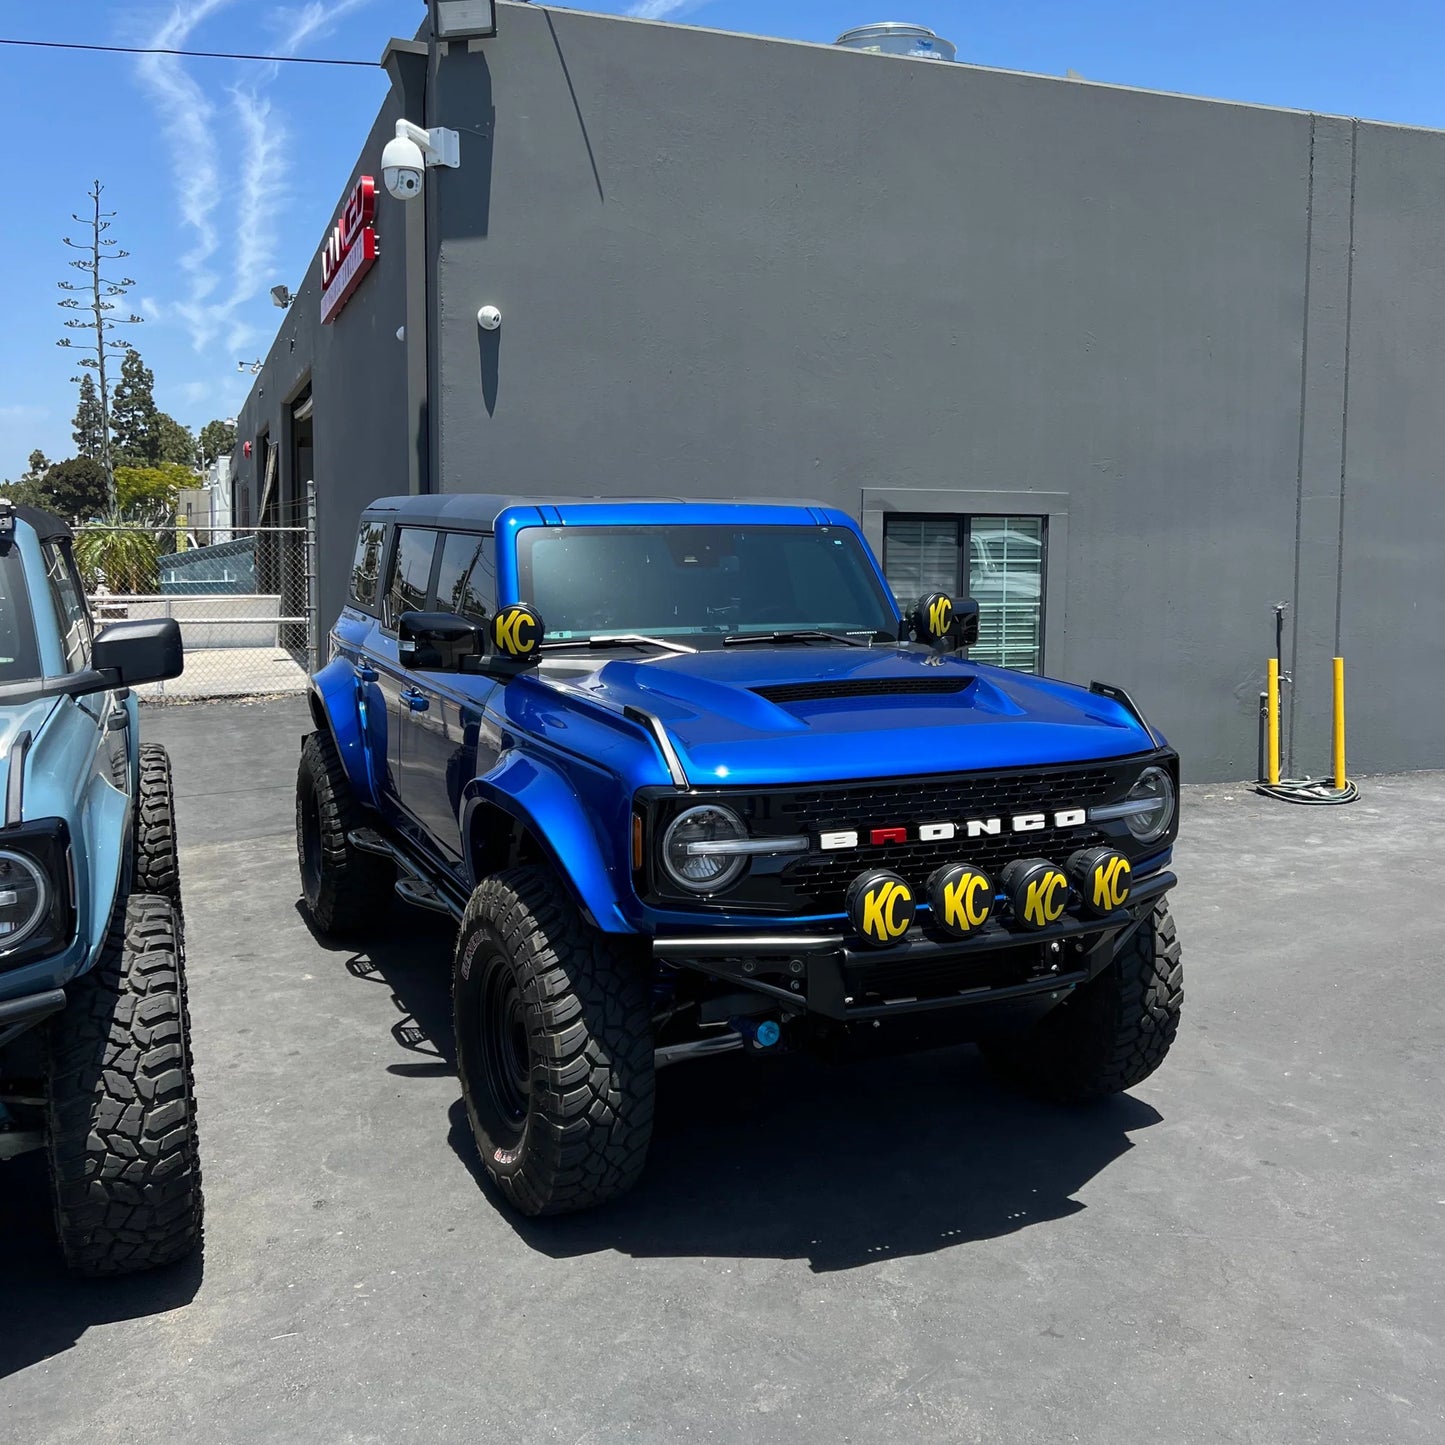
[662,9]
[189,115]
[255,147]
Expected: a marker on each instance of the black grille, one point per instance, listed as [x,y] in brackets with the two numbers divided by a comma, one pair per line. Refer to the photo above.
[825,877]
[816,882]
[862,687]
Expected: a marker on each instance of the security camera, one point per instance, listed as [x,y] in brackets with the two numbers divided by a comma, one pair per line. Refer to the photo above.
[405,159]
[402,167]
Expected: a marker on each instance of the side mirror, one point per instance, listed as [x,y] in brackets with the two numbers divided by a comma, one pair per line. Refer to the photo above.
[438,641]
[146,650]
[939,620]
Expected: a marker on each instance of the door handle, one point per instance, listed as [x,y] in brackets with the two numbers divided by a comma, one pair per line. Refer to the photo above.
[415,700]
[365,671]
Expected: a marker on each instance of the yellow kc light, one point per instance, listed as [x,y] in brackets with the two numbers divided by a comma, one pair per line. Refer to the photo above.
[1038,890]
[961,898]
[1102,878]
[880,907]
[516,630]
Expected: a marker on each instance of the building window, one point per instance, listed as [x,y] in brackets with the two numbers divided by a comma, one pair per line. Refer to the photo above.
[998,561]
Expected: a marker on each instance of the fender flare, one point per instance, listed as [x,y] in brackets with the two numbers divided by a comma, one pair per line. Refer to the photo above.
[338,703]
[539,798]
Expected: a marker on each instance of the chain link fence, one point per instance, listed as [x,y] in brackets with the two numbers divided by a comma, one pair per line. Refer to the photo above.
[244,598]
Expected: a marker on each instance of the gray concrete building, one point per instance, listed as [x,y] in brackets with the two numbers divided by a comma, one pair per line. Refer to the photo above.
[1132,367]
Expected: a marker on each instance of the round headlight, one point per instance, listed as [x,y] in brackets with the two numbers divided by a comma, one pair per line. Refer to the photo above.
[24,898]
[1155,788]
[695,848]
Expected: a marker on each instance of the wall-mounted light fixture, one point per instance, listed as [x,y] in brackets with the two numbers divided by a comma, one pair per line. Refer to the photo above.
[463,19]
[281,296]
[252,366]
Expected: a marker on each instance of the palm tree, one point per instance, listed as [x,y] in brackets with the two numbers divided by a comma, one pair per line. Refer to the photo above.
[122,549]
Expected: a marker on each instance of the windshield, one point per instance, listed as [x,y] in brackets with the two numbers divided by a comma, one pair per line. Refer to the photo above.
[19,660]
[703,583]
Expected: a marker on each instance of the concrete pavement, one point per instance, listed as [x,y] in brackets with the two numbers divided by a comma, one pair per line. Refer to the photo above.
[1250,1247]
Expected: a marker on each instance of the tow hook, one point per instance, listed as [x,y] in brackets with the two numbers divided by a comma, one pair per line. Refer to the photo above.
[759,1034]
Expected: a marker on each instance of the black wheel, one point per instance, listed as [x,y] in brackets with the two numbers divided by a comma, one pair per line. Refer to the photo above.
[121,1109]
[1109,1034]
[554,1046]
[157,865]
[345,889]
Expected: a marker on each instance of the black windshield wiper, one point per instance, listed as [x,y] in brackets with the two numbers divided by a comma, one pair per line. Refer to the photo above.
[619,639]
[806,634]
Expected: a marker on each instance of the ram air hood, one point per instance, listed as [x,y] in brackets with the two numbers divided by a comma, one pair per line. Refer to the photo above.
[760,715]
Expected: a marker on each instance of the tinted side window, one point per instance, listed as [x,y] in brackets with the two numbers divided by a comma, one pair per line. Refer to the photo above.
[367,564]
[71,612]
[465,578]
[410,572]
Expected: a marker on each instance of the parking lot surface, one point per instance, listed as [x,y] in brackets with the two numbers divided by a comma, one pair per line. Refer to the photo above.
[1250,1247]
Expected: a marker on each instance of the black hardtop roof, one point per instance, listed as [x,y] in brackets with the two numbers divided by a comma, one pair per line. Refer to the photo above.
[443,509]
[47,526]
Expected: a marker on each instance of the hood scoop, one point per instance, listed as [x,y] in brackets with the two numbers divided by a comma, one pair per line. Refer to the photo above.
[822,690]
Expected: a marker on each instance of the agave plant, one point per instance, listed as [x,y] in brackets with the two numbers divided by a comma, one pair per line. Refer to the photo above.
[121,549]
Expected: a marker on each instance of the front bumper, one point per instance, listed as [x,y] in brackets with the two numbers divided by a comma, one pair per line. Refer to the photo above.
[831,975]
[19,1014]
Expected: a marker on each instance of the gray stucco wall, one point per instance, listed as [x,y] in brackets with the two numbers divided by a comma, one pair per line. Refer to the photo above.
[1205,338]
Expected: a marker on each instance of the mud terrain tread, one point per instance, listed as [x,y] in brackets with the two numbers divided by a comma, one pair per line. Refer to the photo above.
[590,1120]
[1113,1032]
[356,887]
[124,1156]
[157,864]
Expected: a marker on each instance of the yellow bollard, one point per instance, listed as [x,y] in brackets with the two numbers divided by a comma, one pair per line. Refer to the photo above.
[1339,723]
[1272,687]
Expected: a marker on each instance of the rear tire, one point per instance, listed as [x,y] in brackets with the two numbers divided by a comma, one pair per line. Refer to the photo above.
[124,1160]
[157,861]
[345,889]
[554,1047]
[1112,1032]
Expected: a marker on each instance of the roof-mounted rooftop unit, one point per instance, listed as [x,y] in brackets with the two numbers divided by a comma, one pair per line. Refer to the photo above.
[892,37]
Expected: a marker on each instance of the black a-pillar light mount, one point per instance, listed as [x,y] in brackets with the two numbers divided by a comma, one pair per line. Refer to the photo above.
[463,19]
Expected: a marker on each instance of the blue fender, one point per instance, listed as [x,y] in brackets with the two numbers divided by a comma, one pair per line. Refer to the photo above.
[586,848]
[342,702]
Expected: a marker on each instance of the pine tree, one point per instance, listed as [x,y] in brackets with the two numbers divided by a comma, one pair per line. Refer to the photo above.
[176,441]
[134,419]
[102,289]
[89,420]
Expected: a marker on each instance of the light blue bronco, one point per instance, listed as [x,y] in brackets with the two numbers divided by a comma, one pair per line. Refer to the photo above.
[95,1064]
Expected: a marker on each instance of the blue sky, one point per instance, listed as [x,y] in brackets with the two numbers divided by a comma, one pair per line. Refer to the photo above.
[181,145]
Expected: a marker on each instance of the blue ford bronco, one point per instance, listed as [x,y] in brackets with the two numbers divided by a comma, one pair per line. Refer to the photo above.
[95,1065]
[690,780]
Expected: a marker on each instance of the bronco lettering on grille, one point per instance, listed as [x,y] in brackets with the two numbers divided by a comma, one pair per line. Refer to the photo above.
[944,832]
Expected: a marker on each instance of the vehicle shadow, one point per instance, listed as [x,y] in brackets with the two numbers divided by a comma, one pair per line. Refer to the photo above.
[841,1165]
[46,1310]
[787,1157]
[409,954]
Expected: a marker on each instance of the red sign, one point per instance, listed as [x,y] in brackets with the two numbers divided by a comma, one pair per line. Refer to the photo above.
[350,250]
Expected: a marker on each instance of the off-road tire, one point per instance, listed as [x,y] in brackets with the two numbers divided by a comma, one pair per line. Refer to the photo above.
[1112,1032]
[157,865]
[345,889]
[571,1129]
[121,1112]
